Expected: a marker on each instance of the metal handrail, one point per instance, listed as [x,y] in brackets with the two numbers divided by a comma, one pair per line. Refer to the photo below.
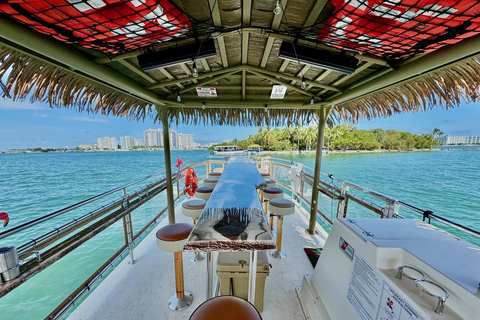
[72,207]
[425,213]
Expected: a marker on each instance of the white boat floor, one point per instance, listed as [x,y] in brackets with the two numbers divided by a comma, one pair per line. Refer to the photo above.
[142,291]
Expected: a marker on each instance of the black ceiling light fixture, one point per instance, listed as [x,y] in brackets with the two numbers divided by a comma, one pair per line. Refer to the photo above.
[318,58]
[173,56]
[194,69]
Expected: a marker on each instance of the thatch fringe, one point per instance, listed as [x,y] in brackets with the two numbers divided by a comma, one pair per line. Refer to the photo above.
[42,81]
[446,87]
[241,116]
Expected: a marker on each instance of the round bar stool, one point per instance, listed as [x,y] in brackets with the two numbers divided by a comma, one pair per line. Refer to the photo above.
[171,238]
[265,175]
[271,183]
[280,208]
[193,209]
[270,194]
[214,174]
[204,193]
[218,170]
[226,307]
[210,182]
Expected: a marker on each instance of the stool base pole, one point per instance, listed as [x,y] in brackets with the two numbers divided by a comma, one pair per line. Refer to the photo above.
[197,256]
[180,304]
[182,299]
[279,254]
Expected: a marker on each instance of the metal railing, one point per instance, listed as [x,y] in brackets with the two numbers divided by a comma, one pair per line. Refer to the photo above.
[389,209]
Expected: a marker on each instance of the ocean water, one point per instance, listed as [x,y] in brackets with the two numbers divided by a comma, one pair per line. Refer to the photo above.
[32,185]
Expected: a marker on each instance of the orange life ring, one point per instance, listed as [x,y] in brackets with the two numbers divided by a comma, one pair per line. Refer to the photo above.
[191,182]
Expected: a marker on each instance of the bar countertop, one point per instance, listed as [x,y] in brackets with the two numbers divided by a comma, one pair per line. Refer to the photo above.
[233,219]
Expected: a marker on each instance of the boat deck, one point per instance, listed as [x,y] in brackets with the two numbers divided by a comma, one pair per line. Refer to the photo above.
[142,291]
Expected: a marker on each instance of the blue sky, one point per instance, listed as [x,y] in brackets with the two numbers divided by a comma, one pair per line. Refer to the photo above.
[27,125]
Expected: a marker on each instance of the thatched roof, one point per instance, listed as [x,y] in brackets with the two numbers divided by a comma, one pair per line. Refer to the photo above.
[423,58]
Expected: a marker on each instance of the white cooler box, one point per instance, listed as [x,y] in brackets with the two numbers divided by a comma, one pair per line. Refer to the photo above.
[232,270]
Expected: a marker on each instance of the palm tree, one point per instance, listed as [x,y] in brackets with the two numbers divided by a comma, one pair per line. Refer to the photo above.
[437,133]
[297,133]
[310,134]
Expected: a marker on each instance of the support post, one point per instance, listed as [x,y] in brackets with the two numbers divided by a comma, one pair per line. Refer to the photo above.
[322,120]
[168,163]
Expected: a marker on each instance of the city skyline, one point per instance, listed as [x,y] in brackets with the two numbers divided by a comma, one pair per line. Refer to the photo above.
[26,125]
[152,138]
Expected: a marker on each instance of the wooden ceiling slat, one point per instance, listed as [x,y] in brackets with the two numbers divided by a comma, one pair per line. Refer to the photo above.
[218,23]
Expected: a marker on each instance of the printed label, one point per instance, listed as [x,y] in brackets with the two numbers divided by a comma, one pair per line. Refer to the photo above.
[346,248]
[364,289]
[278,92]
[393,307]
[206,92]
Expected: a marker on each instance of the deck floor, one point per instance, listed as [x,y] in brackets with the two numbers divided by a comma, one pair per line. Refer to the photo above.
[142,291]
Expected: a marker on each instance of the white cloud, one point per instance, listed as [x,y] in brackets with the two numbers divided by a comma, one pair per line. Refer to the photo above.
[85,119]
[40,115]
[20,105]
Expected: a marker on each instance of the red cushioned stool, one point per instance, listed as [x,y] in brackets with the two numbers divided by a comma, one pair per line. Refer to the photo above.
[226,307]
[172,238]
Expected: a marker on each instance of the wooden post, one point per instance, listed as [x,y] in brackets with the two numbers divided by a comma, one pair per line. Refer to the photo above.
[168,164]
[323,115]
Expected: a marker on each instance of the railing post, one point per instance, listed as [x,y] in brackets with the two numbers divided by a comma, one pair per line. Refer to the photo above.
[128,228]
[302,188]
[322,119]
[343,203]
[391,209]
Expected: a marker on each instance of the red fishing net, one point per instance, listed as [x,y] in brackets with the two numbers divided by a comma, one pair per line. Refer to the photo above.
[399,29]
[112,26]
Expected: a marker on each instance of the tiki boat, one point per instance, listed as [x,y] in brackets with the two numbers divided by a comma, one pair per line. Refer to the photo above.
[248,63]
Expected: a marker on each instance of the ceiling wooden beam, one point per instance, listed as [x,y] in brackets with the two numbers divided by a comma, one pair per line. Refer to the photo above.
[301,73]
[251,97]
[246,12]
[290,78]
[191,78]
[244,47]
[170,76]
[277,20]
[218,23]
[205,64]
[243,84]
[206,81]
[315,12]
[286,84]
[235,103]
[188,72]
[325,74]
[239,87]
[345,78]
[141,73]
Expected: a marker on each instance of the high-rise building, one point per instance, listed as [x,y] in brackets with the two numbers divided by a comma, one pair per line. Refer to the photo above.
[107,143]
[127,143]
[185,141]
[446,140]
[138,142]
[153,137]
[173,139]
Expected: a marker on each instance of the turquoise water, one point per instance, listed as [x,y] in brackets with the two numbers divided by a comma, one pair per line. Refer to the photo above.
[31,185]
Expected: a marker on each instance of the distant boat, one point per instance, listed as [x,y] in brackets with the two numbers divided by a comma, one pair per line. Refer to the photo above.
[254,149]
[227,150]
